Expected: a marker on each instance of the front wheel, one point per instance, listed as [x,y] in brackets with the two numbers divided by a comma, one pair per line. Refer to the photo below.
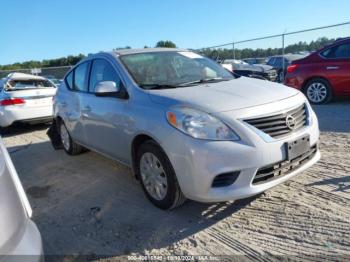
[280,77]
[158,177]
[318,91]
[69,145]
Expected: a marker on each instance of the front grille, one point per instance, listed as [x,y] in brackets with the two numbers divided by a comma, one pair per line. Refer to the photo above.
[276,125]
[225,179]
[283,168]
[272,73]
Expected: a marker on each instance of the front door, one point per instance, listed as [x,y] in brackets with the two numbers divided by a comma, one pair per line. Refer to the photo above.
[105,119]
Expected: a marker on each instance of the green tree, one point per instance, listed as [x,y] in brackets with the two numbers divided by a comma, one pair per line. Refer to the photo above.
[166,43]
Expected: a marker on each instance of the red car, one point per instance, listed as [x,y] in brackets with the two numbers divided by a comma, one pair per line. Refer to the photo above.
[323,74]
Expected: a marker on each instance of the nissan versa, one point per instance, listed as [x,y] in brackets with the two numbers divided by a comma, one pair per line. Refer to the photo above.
[187,127]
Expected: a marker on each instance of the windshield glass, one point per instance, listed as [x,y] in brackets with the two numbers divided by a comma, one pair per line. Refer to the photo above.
[173,69]
[27,84]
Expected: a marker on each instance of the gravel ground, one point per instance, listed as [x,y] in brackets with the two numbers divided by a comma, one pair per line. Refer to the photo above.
[90,205]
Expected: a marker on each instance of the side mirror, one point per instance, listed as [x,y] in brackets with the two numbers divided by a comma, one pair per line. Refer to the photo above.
[107,88]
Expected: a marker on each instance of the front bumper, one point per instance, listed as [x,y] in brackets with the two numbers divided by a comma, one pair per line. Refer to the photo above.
[271,75]
[198,162]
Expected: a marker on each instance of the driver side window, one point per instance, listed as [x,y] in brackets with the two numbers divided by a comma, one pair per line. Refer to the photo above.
[102,70]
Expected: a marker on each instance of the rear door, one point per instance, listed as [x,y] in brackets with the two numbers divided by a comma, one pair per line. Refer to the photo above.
[337,68]
[73,105]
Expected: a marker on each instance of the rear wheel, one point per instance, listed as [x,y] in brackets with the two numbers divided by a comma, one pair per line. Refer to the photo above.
[318,91]
[69,145]
[158,177]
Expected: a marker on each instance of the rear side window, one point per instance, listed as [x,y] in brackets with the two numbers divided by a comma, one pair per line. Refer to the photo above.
[69,80]
[340,51]
[102,70]
[80,77]
[15,85]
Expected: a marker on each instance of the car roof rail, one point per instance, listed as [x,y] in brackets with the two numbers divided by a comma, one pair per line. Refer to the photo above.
[340,39]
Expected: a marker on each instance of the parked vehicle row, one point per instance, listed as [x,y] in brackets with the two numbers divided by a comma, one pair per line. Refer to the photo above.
[186,126]
[256,71]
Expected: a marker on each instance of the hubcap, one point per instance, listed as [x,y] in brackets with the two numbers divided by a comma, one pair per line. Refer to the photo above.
[65,137]
[317,92]
[153,176]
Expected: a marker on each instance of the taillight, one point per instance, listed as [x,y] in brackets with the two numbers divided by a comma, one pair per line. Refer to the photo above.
[11,102]
[291,68]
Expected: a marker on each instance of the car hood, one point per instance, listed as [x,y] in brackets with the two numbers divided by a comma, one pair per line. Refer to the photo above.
[235,94]
[264,67]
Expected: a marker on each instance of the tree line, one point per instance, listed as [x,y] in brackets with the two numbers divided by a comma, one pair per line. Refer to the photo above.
[226,53]
[222,52]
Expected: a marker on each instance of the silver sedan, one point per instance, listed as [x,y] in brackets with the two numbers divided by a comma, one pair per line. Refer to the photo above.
[186,126]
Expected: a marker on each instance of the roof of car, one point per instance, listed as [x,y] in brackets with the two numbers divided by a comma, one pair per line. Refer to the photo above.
[341,39]
[22,76]
[148,50]
[291,57]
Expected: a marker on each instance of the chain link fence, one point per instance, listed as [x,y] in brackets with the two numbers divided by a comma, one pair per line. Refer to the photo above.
[56,73]
[277,50]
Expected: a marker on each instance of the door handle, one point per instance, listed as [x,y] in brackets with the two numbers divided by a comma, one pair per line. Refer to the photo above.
[332,67]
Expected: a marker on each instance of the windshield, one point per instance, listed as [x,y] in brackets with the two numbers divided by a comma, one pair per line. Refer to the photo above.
[172,69]
[13,85]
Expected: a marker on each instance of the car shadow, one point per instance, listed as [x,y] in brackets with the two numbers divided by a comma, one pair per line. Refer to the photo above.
[22,128]
[334,117]
[341,184]
[90,206]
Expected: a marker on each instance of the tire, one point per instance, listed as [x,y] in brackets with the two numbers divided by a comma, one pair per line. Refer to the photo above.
[68,144]
[280,77]
[172,197]
[318,91]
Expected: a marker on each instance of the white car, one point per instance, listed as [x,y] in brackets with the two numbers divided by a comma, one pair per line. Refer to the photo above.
[25,98]
[20,239]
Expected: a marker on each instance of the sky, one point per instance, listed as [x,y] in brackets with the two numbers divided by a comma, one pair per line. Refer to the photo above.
[42,29]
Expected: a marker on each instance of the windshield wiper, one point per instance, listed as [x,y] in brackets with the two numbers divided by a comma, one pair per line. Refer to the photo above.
[157,86]
[205,80]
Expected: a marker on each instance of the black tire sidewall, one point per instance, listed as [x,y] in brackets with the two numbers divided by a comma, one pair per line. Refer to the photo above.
[280,77]
[170,198]
[326,84]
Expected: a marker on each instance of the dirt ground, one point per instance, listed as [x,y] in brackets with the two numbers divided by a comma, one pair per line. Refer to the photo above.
[90,205]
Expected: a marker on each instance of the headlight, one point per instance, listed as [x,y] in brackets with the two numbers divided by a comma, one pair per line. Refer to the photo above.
[199,124]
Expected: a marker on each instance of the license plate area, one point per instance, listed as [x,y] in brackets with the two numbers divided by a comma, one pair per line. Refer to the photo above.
[297,147]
